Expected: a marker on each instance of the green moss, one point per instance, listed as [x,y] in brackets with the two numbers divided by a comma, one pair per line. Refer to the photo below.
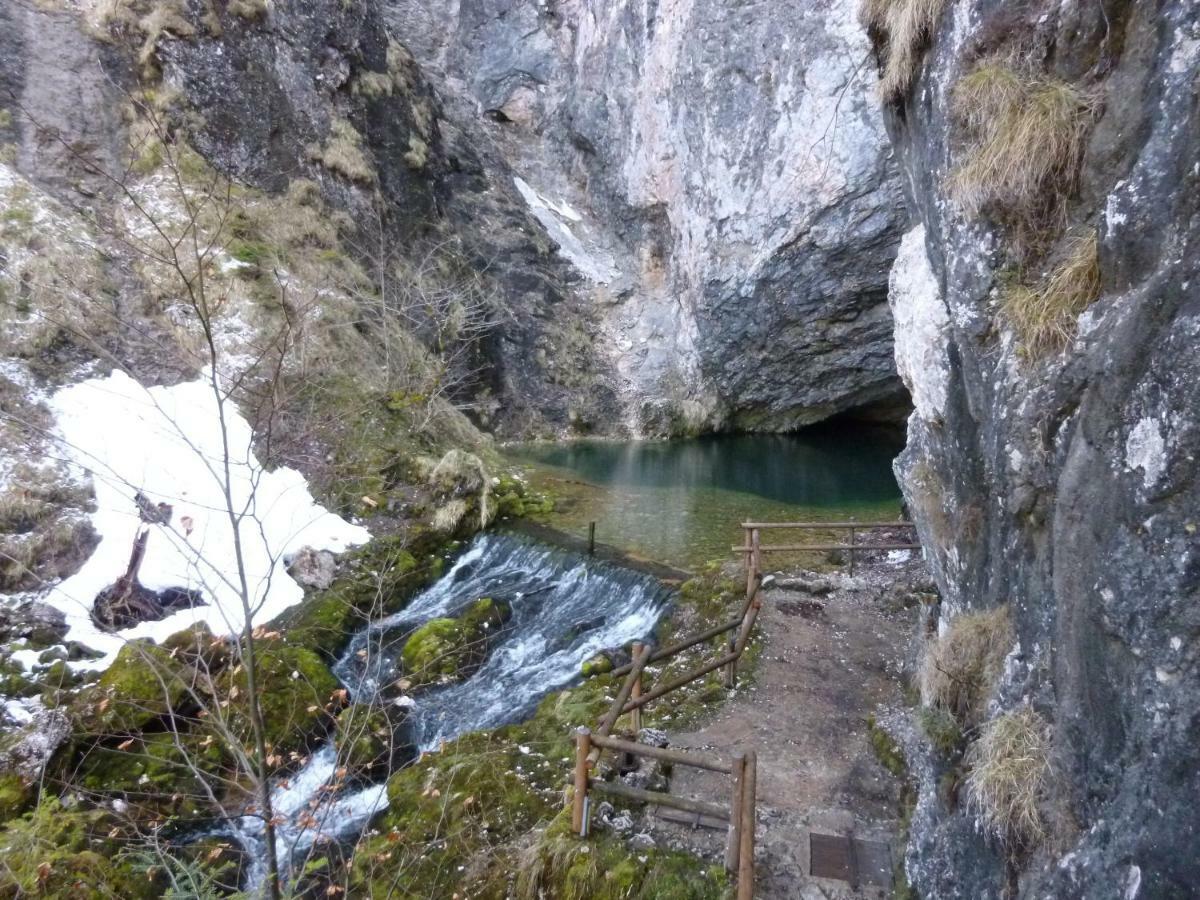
[166,772]
[452,648]
[561,865]
[363,738]
[66,853]
[941,728]
[143,684]
[15,796]
[886,750]
[381,578]
[296,693]
[600,664]
[253,253]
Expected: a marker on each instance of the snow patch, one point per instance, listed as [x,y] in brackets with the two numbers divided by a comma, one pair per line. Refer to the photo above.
[922,325]
[597,268]
[1146,449]
[167,443]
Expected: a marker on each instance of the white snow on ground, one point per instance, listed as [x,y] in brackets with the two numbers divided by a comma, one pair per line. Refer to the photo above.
[166,442]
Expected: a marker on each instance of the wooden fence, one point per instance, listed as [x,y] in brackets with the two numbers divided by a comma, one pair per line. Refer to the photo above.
[631,698]
[752,548]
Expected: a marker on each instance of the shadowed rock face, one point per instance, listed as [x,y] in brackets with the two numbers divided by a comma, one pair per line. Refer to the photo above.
[718,174]
[1067,485]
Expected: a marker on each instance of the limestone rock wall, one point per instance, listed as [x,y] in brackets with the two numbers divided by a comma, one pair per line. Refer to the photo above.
[717,173]
[1064,483]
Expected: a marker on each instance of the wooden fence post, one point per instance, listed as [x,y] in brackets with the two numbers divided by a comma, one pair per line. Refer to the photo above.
[851,549]
[583,746]
[731,669]
[733,841]
[591,538]
[636,715]
[745,889]
[747,558]
[756,552]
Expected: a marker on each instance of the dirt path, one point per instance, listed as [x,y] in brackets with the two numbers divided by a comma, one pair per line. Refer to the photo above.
[829,661]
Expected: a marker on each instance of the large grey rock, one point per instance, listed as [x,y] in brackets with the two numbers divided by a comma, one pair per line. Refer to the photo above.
[718,175]
[1067,487]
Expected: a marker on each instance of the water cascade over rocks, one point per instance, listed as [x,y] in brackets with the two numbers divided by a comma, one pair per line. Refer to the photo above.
[565,608]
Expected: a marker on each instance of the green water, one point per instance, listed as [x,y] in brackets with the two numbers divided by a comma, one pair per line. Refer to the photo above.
[681,502]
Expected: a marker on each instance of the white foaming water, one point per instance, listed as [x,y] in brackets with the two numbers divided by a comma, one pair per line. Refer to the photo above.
[565,609]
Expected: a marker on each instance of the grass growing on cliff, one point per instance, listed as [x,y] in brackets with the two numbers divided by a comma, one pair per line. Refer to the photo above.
[1044,315]
[343,153]
[1009,775]
[960,668]
[902,29]
[1025,137]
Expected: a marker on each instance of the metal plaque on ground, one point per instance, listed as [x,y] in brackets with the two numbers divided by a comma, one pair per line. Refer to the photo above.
[849,859]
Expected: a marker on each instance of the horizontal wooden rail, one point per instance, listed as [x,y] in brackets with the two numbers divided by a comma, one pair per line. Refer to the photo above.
[679,682]
[673,649]
[678,757]
[793,548]
[637,795]
[818,525]
[615,711]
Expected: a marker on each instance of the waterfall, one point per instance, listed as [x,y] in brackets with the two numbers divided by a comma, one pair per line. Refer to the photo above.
[565,608]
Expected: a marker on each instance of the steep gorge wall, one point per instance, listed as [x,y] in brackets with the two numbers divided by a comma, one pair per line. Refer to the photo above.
[1063,481]
[719,175]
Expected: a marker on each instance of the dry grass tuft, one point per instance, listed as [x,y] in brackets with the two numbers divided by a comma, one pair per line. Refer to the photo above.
[1026,134]
[1010,772]
[342,153]
[902,29]
[449,515]
[1045,316]
[960,667]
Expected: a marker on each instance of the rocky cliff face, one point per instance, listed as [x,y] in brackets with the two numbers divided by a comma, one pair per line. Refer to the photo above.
[1051,461]
[683,213]
[718,175]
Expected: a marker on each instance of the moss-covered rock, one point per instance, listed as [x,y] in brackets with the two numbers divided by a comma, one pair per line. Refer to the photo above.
[453,648]
[379,579]
[599,664]
[296,692]
[167,772]
[65,853]
[143,684]
[15,795]
[364,739]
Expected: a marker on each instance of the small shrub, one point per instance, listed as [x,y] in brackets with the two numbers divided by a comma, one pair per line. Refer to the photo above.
[1009,776]
[1025,134]
[960,668]
[1044,316]
[902,29]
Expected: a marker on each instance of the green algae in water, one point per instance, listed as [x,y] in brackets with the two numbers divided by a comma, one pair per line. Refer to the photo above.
[682,501]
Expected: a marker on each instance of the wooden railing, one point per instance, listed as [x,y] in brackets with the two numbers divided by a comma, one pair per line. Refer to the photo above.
[632,697]
[752,548]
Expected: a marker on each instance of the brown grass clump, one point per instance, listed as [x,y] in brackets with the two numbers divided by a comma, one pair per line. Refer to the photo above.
[902,29]
[1009,775]
[1045,315]
[1026,134]
[342,153]
[960,668]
